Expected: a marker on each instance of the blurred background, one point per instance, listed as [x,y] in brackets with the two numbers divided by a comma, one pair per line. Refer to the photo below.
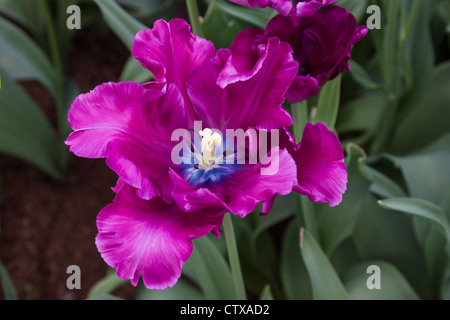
[394,123]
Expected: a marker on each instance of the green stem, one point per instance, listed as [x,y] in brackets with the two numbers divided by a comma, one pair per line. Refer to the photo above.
[308,215]
[300,116]
[194,17]
[234,258]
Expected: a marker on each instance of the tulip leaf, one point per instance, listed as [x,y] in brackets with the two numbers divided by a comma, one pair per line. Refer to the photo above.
[283,208]
[256,16]
[26,12]
[430,120]
[427,172]
[389,236]
[124,25]
[266,294]
[102,289]
[361,76]
[421,208]
[21,55]
[9,292]
[384,186]
[213,272]
[361,113]
[325,282]
[294,276]
[25,132]
[357,7]
[392,284]
[219,26]
[182,290]
[338,223]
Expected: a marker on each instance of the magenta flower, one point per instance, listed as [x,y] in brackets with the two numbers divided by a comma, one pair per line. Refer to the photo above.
[300,8]
[321,44]
[179,170]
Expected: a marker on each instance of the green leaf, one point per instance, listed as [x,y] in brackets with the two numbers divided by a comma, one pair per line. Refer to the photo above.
[124,25]
[361,113]
[357,7]
[21,54]
[393,286]
[105,286]
[266,294]
[328,103]
[182,290]
[213,273]
[24,130]
[105,296]
[421,208]
[219,27]
[384,186]
[256,16]
[445,288]
[325,282]
[9,291]
[283,208]
[293,273]
[427,172]
[337,223]
[389,236]
[360,75]
[430,120]
[26,12]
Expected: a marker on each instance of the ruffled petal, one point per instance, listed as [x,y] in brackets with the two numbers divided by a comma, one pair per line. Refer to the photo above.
[321,173]
[224,100]
[150,237]
[171,52]
[306,8]
[131,127]
[321,44]
[301,88]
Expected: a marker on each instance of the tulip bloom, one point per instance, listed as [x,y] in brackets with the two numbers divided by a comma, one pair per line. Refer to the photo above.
[321,44]
[300,8]
[179,170]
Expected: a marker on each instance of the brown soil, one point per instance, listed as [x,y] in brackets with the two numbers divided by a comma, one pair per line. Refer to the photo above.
[47,226]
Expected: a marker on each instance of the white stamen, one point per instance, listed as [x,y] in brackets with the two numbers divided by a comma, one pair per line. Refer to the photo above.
[210,141]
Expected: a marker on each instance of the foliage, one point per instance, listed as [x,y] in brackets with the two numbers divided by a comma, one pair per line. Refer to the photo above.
[392,113]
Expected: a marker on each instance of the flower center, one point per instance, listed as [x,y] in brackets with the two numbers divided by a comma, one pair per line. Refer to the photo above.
[210,141]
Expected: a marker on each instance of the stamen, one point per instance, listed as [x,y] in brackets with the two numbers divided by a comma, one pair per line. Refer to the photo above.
[210,141]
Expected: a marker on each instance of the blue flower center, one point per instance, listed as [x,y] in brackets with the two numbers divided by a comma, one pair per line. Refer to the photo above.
[206,162]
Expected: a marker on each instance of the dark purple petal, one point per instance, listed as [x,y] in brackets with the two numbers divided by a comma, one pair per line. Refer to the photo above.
[301,8]
[306,8]
[302,87]
[321,170]
[321,44]
[224,99]
[150,237]
[171,52]
[131,127]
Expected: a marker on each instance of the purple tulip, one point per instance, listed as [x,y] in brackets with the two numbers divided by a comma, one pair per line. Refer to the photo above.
[321,44]
[175,187]
[300,8]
